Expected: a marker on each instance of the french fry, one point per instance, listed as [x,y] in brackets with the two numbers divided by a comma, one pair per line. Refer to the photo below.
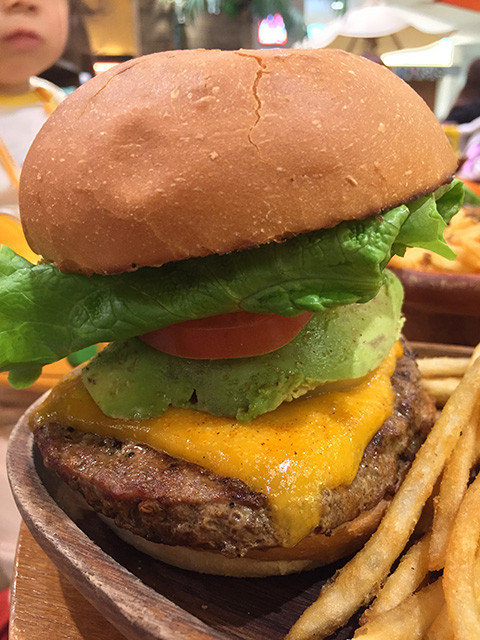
[475,355]
[441,375]
[441,628]
[440,388]
[410,620]
[459,576]
[452,489]
[356,584]
[442,367]
[404,581]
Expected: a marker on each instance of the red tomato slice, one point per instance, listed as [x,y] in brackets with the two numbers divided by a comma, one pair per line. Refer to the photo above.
[230,335]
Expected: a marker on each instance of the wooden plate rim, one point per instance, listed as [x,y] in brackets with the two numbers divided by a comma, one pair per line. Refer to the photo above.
[51,528]
[161,619]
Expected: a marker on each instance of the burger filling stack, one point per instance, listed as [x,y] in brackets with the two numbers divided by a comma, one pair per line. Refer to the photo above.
[223,221]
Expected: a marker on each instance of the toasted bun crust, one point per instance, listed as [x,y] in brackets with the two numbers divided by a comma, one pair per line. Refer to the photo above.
[187,153]
[310,553]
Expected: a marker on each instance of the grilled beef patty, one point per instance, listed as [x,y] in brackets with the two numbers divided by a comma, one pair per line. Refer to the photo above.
[167,500]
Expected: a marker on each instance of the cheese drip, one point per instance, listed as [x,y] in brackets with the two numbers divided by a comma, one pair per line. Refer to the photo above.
[289,454]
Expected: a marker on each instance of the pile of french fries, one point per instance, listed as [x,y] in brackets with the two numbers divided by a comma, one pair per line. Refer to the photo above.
[432,592]
[442,375]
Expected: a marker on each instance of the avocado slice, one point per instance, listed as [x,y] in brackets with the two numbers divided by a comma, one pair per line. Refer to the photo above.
[129,379]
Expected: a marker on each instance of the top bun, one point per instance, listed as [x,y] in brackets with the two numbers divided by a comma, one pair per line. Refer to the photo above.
[187,153]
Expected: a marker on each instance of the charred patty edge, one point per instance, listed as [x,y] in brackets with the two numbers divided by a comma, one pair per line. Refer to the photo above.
[170,501]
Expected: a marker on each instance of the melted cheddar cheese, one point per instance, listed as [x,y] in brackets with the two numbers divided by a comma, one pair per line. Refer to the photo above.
[289,454]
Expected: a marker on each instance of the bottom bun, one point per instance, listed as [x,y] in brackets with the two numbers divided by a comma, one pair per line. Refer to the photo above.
[313,551]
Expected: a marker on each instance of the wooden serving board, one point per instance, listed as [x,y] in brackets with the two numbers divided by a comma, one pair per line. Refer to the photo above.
[45,605]
[143,599]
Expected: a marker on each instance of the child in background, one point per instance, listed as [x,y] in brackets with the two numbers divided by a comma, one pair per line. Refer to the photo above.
[33,35]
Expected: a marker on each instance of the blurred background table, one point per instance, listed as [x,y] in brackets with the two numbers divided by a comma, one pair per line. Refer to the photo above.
[12,405]
[45,606]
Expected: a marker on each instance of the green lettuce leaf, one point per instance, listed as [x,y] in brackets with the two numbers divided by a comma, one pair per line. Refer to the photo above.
[46,314]
[130,380]
[430,216]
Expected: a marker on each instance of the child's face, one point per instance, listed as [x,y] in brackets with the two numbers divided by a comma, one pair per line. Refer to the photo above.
[33,34]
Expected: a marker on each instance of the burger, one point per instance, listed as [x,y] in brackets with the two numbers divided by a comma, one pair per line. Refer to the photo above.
[223,221]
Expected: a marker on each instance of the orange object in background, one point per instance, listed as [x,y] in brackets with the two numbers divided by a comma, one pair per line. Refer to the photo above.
[463,4]
[11,234]
[473,186]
